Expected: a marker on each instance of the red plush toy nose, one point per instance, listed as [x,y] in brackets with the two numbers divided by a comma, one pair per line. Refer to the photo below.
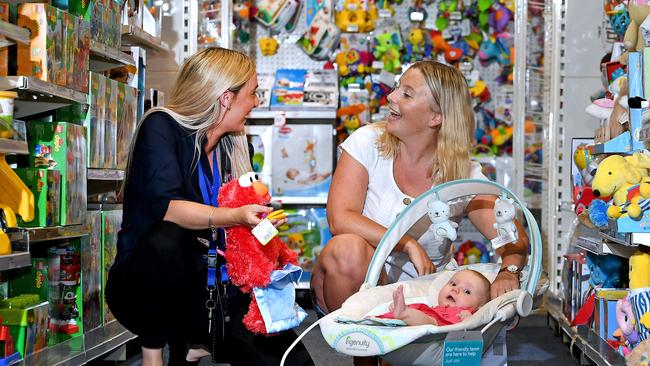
[260,188]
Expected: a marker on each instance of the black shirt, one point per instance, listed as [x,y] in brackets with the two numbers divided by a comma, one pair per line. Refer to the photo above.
[163,168]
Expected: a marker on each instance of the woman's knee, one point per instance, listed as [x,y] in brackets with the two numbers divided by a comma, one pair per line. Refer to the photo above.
[347,254]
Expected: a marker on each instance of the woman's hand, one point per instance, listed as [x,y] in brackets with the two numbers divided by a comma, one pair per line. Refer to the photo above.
[250,215]
[419,258]
[504,282]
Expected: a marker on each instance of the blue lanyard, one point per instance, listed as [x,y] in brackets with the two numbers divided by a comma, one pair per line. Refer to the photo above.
[210,193]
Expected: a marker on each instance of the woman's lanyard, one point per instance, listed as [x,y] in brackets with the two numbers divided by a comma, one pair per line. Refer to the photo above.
[210,193]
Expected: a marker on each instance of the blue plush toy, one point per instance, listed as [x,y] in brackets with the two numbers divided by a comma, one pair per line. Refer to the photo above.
[605,270]
[598,213]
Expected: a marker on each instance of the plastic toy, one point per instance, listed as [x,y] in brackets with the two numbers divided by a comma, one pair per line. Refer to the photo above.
[471,252]
[451,54]
[386,47]
[268,46]
[321,36]
[249,263]
[441,226]
[586,164]
[349,116]
[353,18]
[418,46]
[445,8]
[504,214]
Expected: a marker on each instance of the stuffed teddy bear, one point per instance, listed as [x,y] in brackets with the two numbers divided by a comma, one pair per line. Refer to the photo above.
[248,262]
[441,226]
[638,11]
[504,214]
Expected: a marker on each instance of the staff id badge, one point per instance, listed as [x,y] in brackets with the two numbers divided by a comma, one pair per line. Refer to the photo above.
[264,231]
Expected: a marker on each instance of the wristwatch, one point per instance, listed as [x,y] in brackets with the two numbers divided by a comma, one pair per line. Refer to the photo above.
[511,269]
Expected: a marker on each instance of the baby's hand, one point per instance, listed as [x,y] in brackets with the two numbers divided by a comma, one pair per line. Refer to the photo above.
[398,306]
[464,314]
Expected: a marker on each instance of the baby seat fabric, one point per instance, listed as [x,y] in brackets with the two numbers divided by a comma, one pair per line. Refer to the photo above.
[347,329]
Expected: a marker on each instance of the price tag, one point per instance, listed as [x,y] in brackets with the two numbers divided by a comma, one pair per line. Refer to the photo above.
[377,65]
[416,16]
[387,78]
[500,241]
[279,119]
[385,13]
[455,15]
[352,28]
[264,231]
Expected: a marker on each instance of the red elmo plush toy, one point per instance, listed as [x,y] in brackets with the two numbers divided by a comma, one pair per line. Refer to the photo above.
[249,263]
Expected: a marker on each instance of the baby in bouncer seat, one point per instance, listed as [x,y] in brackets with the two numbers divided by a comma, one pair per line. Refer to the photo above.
[462,296]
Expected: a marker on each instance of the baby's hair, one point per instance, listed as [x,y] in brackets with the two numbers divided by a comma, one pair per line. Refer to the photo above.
[486,284]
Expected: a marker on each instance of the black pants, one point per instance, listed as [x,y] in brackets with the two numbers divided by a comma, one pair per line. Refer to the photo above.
[159,294]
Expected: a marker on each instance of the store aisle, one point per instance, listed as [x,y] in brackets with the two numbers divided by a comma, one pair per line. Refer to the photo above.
[532,343]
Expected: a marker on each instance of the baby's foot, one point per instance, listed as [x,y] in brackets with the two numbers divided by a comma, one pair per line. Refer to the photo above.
[398,302]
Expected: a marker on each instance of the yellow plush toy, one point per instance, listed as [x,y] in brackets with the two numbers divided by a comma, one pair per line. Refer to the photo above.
[639,270]
[615,175]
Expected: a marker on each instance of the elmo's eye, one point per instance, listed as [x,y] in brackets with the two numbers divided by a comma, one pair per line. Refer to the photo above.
[247,179]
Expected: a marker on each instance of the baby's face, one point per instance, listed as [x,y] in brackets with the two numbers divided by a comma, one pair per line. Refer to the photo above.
[465,289]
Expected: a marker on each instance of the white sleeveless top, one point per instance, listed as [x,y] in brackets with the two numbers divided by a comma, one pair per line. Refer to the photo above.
[384,200]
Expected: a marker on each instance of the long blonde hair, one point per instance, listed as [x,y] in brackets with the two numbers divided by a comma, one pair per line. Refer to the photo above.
[451,95]
[194,101]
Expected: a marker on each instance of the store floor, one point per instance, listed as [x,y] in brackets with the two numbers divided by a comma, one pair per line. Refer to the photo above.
[531,343]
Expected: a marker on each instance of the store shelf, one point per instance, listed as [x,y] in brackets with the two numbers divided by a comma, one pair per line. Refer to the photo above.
[593,349]
[104,58]
[15,260]
[57,232]
[104,339]
[66,353]
[293,114]
[13,147]
[37,96]
[14,33]
[105,174]
[134,36]
[601,246]
[286,200]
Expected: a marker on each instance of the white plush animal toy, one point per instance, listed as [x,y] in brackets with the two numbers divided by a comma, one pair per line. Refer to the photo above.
[441,226]
[504,213]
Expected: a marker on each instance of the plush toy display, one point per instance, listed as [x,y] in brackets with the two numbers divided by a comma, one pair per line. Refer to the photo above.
[615,175]
[249,263]
[441,226]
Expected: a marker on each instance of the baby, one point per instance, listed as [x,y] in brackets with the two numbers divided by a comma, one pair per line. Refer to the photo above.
[465,292]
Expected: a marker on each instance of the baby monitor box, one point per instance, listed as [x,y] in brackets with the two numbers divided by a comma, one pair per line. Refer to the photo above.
[306,233]
[62,146]
[91,267]
[288,90]
[43,57]
[45,186]
[302,160]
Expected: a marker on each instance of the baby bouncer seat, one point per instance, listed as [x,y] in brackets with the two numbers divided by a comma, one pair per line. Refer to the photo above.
[353,330]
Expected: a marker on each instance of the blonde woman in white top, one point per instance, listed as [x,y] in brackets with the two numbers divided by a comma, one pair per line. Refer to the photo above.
[383,167]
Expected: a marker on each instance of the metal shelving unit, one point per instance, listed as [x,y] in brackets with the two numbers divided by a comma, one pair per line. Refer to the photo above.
[8,146]
[601,247]
[105,174]
[103,339]
[104,58]
[15,260]
[70,352]
[13,33]
[582,340]
[292,114]
[56,232]
[37,96]
[134,36]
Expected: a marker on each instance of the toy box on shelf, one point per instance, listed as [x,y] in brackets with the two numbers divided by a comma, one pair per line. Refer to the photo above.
[111,222]
[605,313]
[65,293]
[306,232]
[27,317]
[91,267]
[45,185]
[302,160]
[575,282]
